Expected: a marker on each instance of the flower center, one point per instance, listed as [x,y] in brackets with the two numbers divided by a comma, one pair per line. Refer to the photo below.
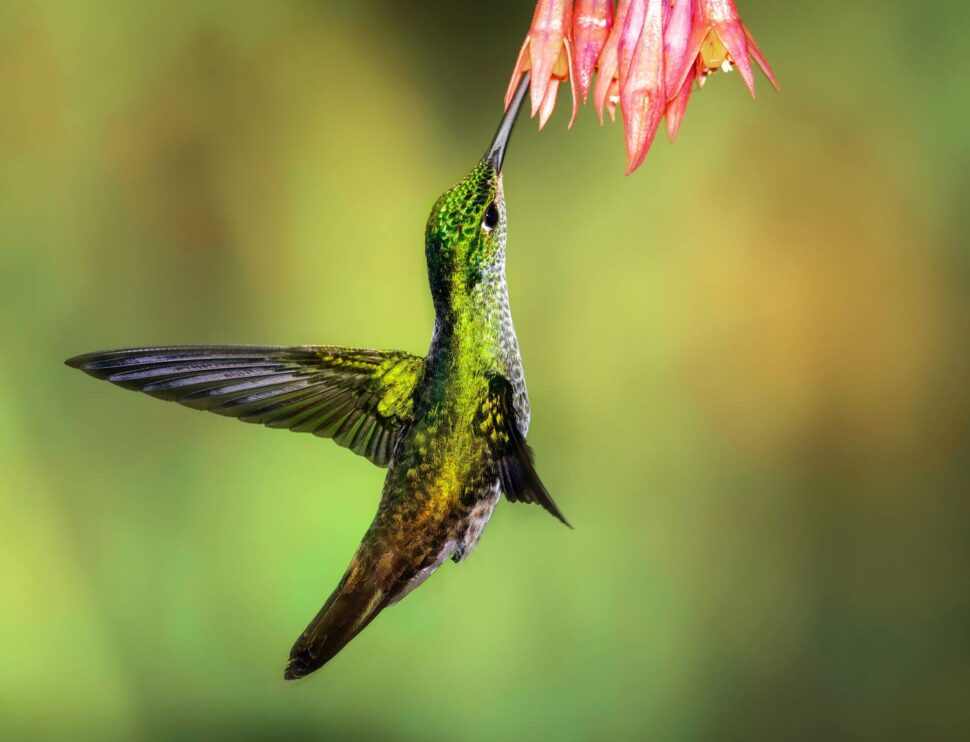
[713,55]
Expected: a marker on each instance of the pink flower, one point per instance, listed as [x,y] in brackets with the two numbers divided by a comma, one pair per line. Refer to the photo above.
[646,57]
[547,52]
[717,39]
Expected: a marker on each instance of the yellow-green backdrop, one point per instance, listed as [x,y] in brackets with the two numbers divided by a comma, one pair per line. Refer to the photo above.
[748,365]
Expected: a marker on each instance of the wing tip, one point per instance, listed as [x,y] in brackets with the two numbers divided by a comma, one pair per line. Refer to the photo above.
[87,362]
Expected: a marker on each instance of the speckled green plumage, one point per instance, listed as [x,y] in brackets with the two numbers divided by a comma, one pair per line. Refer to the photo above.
[466,441]
[450,427]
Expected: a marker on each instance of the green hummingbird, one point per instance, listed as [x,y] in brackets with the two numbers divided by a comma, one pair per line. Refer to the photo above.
[450,427]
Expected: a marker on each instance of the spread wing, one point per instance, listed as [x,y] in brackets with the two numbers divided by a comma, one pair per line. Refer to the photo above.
[516,472]
[359,397]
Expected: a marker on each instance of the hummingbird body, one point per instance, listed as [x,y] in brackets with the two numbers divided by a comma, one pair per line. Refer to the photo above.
[450,427]
[441,486]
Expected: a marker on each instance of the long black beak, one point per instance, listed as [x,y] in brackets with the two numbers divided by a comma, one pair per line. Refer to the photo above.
[496,153]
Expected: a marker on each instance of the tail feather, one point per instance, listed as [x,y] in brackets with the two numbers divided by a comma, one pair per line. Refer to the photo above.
[358,599]
[382,572]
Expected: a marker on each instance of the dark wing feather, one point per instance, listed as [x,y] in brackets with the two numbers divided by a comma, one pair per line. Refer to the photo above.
[513,456]
[359,397]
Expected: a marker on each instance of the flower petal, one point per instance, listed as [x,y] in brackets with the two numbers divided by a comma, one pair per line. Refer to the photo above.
[613,100]
[549,27]
[759,57]
[572,82]
[592,21]
[522,65]
[629,38]
[677,36]
[677,106]
[606,90]
[643,94]
[549,102]
[732,36]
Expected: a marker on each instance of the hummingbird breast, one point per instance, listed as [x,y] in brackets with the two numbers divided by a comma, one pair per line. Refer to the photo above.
[442,483]
[474,335]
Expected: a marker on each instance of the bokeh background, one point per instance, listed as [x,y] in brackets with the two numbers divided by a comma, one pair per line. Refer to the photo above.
[748,366]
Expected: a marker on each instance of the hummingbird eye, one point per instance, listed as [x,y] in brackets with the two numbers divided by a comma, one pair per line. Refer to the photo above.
[490,220]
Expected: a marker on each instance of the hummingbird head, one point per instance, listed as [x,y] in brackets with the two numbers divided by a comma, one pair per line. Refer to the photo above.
[465,236]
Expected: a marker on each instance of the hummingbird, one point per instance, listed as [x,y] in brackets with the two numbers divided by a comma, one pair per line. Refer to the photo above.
[450,427]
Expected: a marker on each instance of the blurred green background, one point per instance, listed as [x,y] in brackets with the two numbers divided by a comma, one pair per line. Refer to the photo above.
[748,365]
